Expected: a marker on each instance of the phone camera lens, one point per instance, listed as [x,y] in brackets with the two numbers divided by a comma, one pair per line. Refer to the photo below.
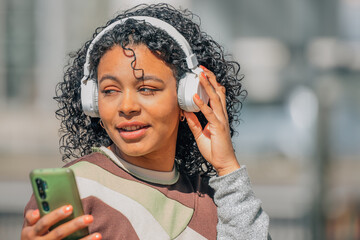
[45,206]
[41,186]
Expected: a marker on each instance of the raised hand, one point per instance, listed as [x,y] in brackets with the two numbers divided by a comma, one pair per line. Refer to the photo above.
[214,141]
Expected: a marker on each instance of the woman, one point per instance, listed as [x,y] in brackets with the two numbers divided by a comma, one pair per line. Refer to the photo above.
[145,164]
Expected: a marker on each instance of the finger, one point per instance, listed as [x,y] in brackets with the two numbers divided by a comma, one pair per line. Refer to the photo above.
[212,78]
[94,236]
[222,94]
[43,225]
[215,101]
[219,89]
[211,75]
[70,227]
[31,217]
[206,110]
[205,82]
[206,132]
[194,124]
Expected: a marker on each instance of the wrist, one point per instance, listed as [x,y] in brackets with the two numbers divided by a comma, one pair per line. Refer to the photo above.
[228,169]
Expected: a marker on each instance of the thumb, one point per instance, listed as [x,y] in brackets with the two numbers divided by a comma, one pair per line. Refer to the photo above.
[31,217]
[194,124]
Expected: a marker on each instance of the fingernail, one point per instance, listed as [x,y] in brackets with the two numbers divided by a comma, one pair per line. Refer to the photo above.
[36,213]
[197,96]
[88,219]
[67,209]
[96,237]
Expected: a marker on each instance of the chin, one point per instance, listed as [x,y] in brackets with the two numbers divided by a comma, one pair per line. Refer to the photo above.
[133,151]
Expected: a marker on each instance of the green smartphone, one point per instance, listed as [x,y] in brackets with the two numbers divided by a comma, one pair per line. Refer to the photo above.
[56,187]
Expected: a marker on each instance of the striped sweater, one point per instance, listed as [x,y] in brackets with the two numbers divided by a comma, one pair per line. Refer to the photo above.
[128,207]
[129,202]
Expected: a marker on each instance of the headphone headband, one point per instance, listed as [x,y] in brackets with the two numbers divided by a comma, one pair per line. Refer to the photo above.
[191,59]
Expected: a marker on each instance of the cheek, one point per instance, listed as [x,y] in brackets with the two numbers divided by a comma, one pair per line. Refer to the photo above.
[166,109]
[106,109]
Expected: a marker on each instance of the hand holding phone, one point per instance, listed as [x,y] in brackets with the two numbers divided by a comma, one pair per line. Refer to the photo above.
[36,228]
[59,204]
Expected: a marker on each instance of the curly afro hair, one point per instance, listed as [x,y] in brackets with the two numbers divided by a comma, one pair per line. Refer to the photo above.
[79,133]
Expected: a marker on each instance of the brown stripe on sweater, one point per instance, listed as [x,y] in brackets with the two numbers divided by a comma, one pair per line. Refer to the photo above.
[104,222]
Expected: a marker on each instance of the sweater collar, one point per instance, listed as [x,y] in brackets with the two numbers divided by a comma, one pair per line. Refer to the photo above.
[157,177]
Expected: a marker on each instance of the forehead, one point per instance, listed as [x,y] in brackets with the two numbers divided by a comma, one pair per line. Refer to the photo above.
[133,57]
[133,62]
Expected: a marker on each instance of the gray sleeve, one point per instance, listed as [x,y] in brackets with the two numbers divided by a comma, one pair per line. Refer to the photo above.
[240,215]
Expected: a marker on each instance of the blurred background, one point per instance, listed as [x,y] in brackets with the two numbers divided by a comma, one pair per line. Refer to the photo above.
[300,130]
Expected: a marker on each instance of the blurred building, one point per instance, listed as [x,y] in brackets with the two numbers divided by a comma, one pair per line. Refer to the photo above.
[300,130]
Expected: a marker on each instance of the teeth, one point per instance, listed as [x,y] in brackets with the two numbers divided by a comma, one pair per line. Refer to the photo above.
[131,128]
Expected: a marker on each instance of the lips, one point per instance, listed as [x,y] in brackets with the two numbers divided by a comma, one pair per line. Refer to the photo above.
[132,130]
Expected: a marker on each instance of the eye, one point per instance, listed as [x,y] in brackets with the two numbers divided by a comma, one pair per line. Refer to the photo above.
[148,90]
[110,91]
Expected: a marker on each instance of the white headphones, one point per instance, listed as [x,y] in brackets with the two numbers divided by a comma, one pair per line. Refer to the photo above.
[188,84]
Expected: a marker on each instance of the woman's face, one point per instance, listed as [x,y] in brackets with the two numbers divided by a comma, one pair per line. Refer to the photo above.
[141,116]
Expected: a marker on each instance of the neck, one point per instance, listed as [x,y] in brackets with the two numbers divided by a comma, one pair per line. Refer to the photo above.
[158,161]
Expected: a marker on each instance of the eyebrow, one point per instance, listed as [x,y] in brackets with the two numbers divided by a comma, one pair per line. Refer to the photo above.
[151,77]
[144,78]
[107,76]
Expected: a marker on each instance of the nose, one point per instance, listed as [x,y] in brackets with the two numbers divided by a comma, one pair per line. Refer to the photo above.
[128,104]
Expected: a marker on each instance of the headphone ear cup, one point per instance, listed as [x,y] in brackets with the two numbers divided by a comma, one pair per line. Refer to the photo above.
[95,99]
[89,97]
[189,84]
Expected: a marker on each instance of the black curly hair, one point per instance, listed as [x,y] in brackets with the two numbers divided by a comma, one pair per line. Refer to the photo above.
[79,132]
